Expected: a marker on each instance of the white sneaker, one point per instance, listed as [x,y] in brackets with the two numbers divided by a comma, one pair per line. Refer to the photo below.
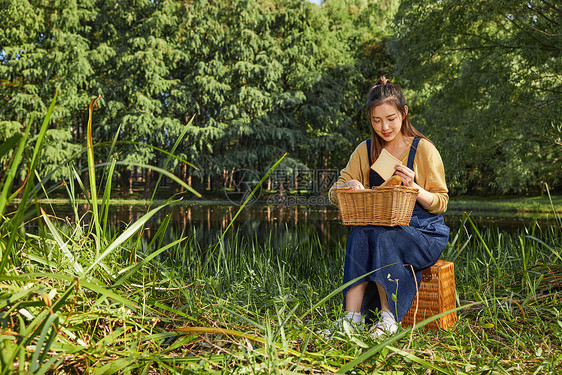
[384,328]
[343,325]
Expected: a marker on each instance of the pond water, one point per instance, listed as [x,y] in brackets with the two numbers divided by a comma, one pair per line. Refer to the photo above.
[276,224]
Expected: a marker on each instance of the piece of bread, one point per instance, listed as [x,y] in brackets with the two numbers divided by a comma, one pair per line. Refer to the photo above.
[384,165]
[394,180]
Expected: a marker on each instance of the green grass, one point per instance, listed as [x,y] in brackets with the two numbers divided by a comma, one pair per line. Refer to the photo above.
[257,308]
[543,204]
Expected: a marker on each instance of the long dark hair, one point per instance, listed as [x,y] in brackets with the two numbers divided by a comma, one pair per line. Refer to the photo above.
[385,91]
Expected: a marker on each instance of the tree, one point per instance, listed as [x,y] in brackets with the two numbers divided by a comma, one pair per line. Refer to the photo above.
[487,82]
[135,56]
[43,50]
[354,54]
[266,78]
[261,77]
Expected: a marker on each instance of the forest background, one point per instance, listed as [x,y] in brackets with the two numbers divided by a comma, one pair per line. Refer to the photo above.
[265,77]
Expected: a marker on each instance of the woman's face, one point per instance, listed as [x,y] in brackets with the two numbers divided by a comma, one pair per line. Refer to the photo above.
[386,120]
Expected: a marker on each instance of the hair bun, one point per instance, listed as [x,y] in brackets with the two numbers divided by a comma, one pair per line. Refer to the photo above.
[383,81]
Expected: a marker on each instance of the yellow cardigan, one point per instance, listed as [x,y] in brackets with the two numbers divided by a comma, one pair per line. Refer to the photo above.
[428,167]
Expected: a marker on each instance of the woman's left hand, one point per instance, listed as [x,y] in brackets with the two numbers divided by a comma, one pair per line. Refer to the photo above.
[407,175]
[425,198]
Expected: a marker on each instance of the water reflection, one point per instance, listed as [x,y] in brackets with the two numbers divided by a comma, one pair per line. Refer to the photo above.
[276,224]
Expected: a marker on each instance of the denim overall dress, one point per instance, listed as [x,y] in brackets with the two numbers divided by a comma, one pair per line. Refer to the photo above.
[391,251]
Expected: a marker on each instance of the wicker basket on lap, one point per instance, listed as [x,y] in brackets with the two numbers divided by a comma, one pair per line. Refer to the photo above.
[383,205]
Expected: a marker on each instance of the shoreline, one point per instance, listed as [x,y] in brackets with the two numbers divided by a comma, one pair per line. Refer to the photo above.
[462,203]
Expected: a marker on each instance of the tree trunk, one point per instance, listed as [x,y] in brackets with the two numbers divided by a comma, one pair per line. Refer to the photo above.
[186,174]
[126,182]
[148,184]
[86,182]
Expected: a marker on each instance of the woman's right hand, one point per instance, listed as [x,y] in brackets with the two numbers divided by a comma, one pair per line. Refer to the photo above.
[352,185]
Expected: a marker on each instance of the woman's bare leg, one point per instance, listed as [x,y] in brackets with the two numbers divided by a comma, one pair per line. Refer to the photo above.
[383,299]
[387,323]
[354,297]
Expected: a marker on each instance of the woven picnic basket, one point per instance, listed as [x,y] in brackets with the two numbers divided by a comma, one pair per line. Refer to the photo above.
[383,205]
[436,295]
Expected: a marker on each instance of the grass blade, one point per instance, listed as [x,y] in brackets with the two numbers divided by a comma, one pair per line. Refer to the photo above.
[156,169]
[62,245]
[421,361]
[92,176]
[9,144]
[119,365]
[106,196]
[338,290]
[125,236]
[170,155]
[16,221]
[138,265]
[43,346]
[484,243]
[11,173]
[553,250]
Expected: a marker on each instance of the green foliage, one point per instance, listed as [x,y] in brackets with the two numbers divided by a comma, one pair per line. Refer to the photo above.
[487,86]
[134,54]
[265,77]
[261,78]
[38,41]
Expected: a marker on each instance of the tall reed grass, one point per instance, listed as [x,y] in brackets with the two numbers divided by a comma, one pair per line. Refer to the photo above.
[81,297]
